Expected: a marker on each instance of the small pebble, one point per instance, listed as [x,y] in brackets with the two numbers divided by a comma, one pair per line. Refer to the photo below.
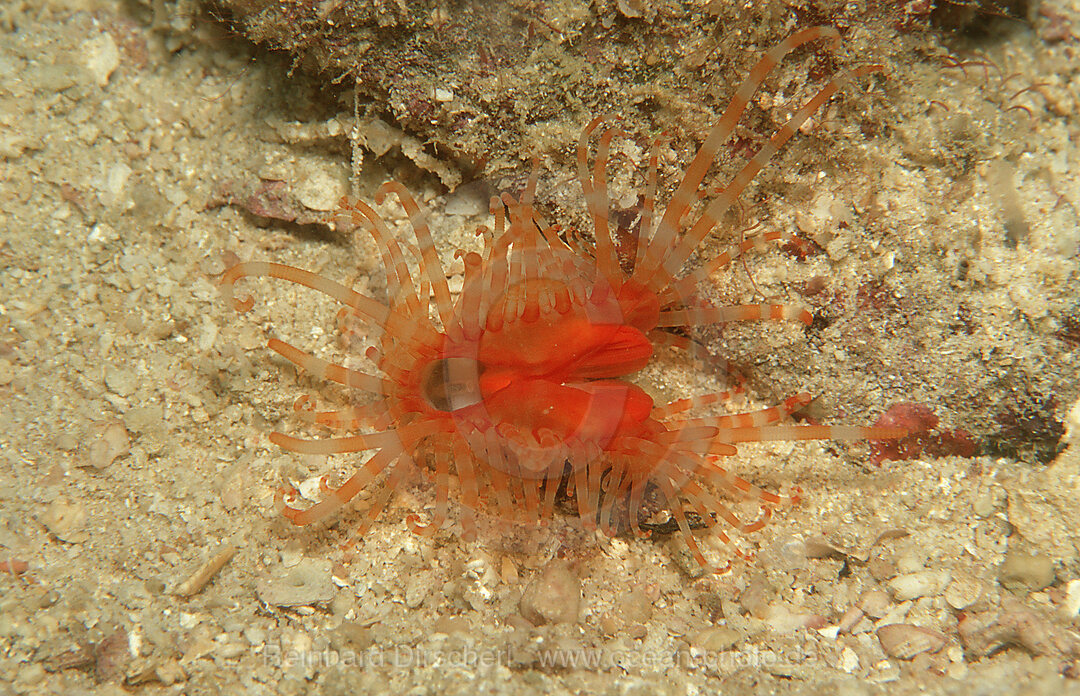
[875,603]
[632,611]
[881,569]
[924,583]
[1017,625]
[229,651]
[1072,424]
[508,572]
[143,419]
[792,553]
[255,635]
[28,677]
[67,442]
[553,596]
[451,625]
[112,656]
[416,590]
[984,504]
[816,547]
[635,606]
[897,614]
[65,518]
[1023,572]
[320,190]
[783,618]
[716,639]
[911,561]
[113,442]
[757,597]
[351,635]
[849,620]
[120,380]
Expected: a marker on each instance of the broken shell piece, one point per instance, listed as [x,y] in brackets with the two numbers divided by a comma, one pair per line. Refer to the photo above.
[1071,606]
[113,442]
[206,572]
[924,583]
[875,603]
[964,591]
[66,519]
[905,641]
[817,547]
[851,617]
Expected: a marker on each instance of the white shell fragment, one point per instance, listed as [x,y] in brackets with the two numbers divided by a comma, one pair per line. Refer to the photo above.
[206,572]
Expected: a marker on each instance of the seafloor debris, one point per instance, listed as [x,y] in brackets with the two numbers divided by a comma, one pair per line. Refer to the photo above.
[112,442]
[1025,572]
[1030,429]
[905,641]
[206,572]
[309,582]
[1015,624]
[924,438]
[553,596]
[271,200]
